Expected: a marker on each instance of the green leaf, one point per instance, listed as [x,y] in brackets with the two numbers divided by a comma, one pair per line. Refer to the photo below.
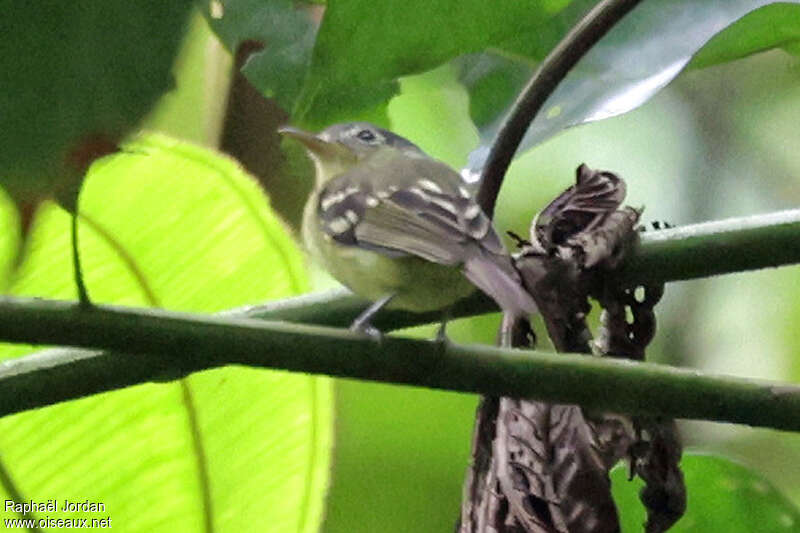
[280,37]
[493,81]
[9,237]
[232,449]
[638,58]
[80,76]
[772,26]
[722,496]
[194,111]
[363,47]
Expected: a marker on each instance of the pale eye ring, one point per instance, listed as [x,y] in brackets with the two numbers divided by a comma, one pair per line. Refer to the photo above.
[366,136]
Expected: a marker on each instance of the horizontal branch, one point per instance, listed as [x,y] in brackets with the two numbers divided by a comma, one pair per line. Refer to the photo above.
[713,248]
[682,253]
[170,344]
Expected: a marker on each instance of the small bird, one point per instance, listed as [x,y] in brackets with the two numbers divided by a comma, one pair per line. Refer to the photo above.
[398,227]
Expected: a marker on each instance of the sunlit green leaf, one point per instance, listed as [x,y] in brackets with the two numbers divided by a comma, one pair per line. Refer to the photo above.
[232,449]
[9,237]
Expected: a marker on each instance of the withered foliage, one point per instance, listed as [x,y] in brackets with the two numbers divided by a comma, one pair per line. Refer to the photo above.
[543,468]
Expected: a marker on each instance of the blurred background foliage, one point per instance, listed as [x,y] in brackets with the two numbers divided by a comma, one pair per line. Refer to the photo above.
[718,142]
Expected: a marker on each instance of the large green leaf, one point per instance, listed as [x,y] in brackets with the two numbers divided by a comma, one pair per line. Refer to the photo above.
[279,37]
[722,496]
[9,237]
[362,48]
[231,449]
[637,59]
[77,76]
[195,109]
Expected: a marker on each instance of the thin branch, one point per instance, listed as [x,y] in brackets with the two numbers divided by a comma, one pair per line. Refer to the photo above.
[179,343]
[580,39]
[687,252]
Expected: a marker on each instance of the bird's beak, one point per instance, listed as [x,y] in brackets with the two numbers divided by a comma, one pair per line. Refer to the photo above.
[321,148]
[330,158]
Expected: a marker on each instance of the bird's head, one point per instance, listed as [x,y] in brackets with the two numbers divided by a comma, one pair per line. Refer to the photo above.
[340,147]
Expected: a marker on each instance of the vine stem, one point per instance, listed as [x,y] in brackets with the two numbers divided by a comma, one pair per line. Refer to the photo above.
[553,69]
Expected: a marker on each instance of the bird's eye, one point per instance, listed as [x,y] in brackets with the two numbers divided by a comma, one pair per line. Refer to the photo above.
[366,136]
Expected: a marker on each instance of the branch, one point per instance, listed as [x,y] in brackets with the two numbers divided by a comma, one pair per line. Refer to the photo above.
[170,345]
[687,252]
[179,343]
[580,39]
[713,248]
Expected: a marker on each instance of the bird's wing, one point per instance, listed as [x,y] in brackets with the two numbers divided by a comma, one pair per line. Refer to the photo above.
[420,208]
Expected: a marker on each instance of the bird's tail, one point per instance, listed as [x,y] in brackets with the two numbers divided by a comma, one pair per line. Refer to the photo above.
[496,276]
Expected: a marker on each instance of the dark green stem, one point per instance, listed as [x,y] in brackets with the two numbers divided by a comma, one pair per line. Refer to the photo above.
[80,285]
[169,344]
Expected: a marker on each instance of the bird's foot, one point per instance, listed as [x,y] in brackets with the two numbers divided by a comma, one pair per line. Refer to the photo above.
[441,333]
[362,323]
[366,329]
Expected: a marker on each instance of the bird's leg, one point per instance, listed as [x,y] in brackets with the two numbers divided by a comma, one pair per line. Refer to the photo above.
[441,334]
[362,322]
